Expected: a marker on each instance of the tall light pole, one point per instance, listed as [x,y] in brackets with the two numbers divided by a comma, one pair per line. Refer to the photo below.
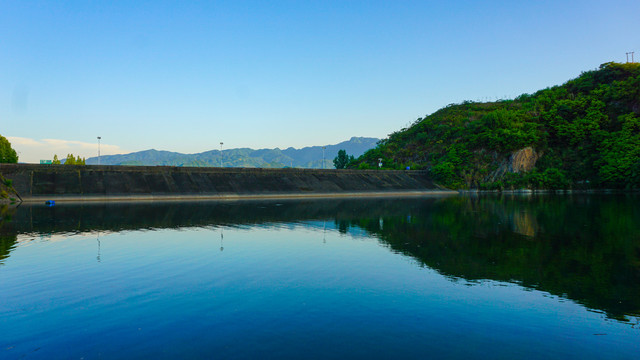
[324,147]
[631,52]
[99,137]
[221,153]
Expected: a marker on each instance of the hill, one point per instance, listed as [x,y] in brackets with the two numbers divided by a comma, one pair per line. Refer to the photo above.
[308,157]
[582,134]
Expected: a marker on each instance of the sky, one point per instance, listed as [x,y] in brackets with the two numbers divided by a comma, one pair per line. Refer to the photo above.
[185,76]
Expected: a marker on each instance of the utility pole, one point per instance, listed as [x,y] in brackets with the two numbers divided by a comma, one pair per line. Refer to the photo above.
[630,52]
[221,153]
[99,137]
[324,147]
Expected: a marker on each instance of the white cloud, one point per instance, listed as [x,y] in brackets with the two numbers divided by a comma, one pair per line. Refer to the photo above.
[32,150]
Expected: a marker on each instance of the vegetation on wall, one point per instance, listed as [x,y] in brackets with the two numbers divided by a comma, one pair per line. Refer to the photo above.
[586,131]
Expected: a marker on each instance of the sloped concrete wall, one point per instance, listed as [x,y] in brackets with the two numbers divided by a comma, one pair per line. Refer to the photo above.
[71,181]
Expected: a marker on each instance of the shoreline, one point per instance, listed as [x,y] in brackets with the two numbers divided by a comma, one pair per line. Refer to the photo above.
[546,191]
[234,197]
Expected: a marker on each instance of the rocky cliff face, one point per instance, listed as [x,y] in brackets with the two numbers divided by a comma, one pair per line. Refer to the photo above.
[491,166]
[523,160]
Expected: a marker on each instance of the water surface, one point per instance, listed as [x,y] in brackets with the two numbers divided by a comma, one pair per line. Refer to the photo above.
[432,277]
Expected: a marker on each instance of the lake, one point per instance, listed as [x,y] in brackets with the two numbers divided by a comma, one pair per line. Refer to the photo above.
[454,277]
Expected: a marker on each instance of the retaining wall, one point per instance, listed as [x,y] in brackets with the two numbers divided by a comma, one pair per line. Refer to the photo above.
[75,182]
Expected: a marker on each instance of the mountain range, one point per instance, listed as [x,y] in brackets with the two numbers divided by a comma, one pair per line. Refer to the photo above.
[307,157]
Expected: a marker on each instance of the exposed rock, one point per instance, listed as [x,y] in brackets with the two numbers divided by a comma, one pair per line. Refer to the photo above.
[523,160]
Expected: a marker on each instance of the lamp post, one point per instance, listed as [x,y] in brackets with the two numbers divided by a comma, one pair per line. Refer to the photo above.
[99,137]
[221,153]
[324,147]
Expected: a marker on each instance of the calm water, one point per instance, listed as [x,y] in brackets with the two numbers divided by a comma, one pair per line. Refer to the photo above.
[448,277]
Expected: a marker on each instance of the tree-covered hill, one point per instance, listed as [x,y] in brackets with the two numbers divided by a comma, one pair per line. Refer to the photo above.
[582,134]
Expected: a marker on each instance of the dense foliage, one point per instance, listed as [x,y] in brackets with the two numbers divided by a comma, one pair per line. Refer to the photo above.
[342,160]
[586,133]
[70,160]
[7,153]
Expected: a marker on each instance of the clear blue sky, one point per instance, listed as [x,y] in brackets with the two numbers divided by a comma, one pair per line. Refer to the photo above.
[184,76]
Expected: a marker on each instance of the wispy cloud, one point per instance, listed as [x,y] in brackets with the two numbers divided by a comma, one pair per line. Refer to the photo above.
[33,150]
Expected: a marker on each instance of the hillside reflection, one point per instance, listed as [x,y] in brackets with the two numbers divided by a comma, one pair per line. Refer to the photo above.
[585,248]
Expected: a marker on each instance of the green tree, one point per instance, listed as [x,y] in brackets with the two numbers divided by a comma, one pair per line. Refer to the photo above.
[342,160]
[69,160]
[74,160]
[620,153]
[7,154]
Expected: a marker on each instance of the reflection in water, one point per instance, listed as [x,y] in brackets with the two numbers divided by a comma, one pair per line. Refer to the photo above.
[7,239]
[98,239]
[324,231]
[586,248]
[7,243]
[524,223]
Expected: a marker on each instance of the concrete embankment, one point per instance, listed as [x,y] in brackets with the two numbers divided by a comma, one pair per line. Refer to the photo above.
[85,183]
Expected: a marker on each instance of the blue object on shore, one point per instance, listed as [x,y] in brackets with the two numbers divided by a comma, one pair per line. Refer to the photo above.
[50,202]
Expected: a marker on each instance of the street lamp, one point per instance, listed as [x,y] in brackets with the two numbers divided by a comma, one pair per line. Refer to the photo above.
[324,147]
[99,137]
[221,153]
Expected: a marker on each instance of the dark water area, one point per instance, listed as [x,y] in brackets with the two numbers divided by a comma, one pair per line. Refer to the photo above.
[430,277]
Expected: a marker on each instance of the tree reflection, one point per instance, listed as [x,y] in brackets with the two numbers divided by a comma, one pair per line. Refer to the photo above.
[8,238]
[586,248]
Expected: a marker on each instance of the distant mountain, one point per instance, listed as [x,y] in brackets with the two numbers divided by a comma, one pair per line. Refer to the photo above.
[308,157]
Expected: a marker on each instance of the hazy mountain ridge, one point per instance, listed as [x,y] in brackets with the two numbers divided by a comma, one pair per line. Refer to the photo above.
[307,157]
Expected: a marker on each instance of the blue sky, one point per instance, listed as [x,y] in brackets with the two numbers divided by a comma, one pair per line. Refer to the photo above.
[184,76]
